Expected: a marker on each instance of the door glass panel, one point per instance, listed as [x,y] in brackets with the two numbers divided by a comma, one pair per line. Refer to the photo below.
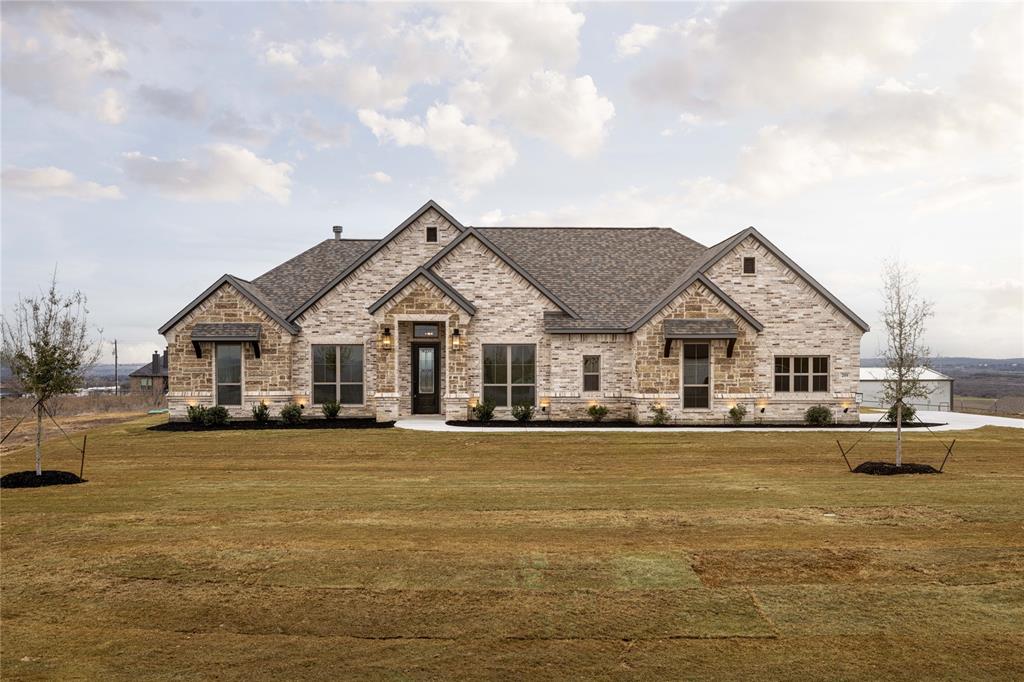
[426,359]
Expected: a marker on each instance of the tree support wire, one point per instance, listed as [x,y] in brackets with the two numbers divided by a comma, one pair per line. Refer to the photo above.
[40,403]
[949,448]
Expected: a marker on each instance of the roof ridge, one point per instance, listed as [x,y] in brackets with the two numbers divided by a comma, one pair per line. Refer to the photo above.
[572,227]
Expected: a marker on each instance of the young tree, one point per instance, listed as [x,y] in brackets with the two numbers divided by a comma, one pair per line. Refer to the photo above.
[905,354]
[47,346]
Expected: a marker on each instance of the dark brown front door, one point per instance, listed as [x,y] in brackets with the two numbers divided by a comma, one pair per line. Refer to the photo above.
[426,382]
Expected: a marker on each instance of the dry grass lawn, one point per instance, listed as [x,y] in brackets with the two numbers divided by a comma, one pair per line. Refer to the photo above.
[393,554]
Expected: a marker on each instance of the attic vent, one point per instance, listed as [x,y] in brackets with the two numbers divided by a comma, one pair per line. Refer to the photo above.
[431,235]
[749,265]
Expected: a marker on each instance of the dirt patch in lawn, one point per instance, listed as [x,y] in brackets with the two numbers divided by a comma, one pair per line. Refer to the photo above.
[889,469]
[252,425]
[29,479]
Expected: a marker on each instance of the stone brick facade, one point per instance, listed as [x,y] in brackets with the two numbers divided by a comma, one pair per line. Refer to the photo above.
[635,372]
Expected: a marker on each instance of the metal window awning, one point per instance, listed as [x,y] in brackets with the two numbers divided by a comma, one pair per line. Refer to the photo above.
[700,329]
[226,332]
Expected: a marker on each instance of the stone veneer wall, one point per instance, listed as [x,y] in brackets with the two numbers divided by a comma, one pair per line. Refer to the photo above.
[509,310]
[267,378]
[341,316]
[568,399]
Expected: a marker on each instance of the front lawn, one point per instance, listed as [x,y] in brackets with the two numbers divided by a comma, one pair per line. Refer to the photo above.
[389,553]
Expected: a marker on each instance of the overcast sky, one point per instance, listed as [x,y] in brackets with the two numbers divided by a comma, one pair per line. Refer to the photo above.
[148,149]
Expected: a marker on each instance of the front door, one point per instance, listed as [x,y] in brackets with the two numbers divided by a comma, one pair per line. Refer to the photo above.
[426,384]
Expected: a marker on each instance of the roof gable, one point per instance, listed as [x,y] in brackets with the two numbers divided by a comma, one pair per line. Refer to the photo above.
[353,266]
[242,287]
[701,278]
[432,277]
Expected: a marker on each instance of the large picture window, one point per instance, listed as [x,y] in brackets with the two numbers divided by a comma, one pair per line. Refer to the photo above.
[229,374]
[510,374]
[696,375]
[338,374]
[801,373]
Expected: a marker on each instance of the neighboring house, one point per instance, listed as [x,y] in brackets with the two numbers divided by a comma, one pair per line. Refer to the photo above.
[939,385]
[151,377]
[437,316]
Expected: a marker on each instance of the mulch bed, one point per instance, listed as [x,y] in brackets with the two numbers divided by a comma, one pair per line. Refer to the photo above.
[28,479]
[890,469]
[632,425]
[274,425]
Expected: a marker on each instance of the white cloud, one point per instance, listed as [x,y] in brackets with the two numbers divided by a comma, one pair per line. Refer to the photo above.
[380,176]
[637,38]
[951,193]
[232,125]
[43,183]
[473,154]
[110,107]
[282,54]
[776,55]
[184,105]
[324,136]
[221,172]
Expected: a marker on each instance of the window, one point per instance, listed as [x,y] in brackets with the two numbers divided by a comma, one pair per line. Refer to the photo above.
[431,235]
[338,374]
[510,374]
[591,372]
[229,373]
[749,265]
[801,373]
[424,331]
[146,382]
[696,375]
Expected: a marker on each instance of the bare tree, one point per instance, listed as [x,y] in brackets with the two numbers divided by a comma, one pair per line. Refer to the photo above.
[47,346]
[905,354]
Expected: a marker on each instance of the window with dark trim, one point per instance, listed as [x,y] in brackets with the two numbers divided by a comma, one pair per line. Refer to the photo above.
[424,331]
[801,373]
[749,265]
[229,373]
[431,235]
[338,374]
[591,372]
[696,375]
[510,374]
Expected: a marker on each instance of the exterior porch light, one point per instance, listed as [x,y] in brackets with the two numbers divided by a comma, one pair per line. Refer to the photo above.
[385,337]
[456,338]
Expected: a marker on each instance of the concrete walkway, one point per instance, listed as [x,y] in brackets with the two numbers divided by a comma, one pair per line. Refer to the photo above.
[951,421]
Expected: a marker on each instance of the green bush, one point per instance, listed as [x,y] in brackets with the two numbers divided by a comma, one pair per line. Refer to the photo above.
[908,413]
[196,413]
[597,412]
[818,415]
[660,415]
[216,416]
[292,413]
[484,411]
[522,413]
[260,412]
[331,409]
[736,413]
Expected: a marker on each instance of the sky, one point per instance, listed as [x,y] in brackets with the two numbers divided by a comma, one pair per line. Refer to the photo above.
[147,149]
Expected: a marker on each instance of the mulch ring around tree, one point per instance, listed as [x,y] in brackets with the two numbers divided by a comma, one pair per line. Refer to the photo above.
[577,424]
[29,479]
[272,425]
[890,469]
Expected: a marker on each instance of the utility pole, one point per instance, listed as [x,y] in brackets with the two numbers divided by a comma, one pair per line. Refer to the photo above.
[117,383]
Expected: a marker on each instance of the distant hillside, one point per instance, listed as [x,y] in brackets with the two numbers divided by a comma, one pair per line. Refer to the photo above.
[981,377]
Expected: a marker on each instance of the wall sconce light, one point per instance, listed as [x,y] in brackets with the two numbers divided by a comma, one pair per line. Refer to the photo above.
[473,402]
[456,338]
[385,337]
[545,403]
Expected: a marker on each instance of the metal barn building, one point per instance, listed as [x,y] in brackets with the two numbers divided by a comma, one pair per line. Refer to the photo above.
[940,398]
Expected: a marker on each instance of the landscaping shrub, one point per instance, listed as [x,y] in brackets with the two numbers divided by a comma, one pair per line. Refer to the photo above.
[260,412]
[216,416]
[484,411]
[291,413]
[908,414]
[737,413]
[197,414]
[331,409]
[522,413]
[597,412]
[660,415]
[818,415]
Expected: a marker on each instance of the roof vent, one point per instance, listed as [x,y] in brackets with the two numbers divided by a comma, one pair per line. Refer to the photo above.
[337,231]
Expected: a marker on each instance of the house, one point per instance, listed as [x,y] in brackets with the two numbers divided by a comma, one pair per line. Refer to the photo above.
[151,377]
[939,386]
[436,316]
